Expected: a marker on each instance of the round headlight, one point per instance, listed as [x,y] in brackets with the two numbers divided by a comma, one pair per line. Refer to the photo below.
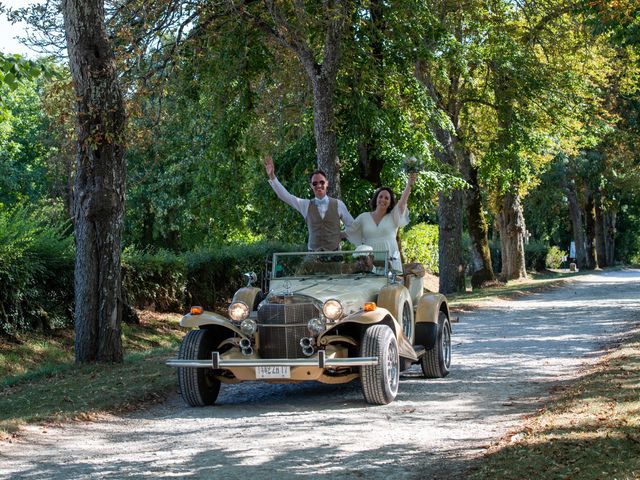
[248,326]
[316,326]
[332,309]
[238,311]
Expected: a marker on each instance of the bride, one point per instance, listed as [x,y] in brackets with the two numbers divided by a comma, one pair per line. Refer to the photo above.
[379,227]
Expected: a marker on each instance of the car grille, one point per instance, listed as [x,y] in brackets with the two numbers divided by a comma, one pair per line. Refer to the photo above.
[281,327]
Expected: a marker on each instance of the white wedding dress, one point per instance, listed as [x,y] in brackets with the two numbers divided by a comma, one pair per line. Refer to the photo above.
[381,236]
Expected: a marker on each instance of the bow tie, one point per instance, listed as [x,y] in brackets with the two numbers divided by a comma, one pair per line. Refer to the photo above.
[322,201]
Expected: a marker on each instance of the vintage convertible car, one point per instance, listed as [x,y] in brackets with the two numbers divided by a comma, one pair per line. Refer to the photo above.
[331,317]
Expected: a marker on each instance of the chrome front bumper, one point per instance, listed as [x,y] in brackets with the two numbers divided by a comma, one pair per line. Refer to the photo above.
[321,361]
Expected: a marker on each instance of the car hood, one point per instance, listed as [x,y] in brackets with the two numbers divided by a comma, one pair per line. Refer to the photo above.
[352,292]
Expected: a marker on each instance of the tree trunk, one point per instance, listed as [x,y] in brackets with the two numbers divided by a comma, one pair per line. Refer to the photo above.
[512,229]
[510,216]
[324,130]
[600,237]
[369,146]
[590,221]
[609,235]
[450,206]
[477,224]
[99,183]
[322,76]
[577,225]
[450,261]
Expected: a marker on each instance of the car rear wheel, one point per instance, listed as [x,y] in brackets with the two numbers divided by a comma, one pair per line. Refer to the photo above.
[198,386]
[380,382]
[436,361]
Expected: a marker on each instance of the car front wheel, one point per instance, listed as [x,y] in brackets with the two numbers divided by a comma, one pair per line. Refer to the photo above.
[198,386]
[436,361]
[380,382]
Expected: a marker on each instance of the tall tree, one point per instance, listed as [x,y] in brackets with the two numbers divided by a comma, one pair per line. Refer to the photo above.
[298,27]
[99,184]
[447,69]
[535,69]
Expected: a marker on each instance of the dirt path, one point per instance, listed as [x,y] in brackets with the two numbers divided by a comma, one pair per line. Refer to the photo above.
[506,360]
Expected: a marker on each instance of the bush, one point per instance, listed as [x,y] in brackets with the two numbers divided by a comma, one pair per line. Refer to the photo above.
[420,244]
[535,254]
[555,257]
[37,278]
[154,280]
[36,270]
[215,274]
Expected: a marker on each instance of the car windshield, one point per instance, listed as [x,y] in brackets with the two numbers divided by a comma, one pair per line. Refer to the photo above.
[374,263]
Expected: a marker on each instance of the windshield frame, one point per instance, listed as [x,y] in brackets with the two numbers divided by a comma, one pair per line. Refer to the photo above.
[329,258]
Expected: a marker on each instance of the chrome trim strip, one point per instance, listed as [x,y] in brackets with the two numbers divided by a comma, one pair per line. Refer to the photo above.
[217,363]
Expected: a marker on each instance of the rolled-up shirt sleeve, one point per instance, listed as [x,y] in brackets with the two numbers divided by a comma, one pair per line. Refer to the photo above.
[345,216]
[300,204]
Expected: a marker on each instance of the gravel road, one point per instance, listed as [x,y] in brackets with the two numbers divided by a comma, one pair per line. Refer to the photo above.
[506,359]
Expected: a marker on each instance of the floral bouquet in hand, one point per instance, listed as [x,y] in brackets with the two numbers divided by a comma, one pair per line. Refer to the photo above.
[413,164]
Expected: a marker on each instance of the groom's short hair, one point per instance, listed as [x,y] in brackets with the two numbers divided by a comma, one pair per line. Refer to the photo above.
[317,172]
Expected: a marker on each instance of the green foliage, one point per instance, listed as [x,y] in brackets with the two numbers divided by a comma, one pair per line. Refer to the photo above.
[154,280]
[215,274]
[555,257]
[535,254]
[420,244]
[36,270]
[15,69]
[23,172]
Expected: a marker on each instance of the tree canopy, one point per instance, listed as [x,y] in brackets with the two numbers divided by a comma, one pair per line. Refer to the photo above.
[525,118]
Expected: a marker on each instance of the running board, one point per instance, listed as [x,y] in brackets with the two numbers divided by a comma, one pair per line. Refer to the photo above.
[419,349]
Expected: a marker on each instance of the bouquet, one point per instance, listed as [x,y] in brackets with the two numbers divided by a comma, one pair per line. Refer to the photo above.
[413,164]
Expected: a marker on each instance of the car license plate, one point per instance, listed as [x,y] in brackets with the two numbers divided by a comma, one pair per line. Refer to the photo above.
[273,372]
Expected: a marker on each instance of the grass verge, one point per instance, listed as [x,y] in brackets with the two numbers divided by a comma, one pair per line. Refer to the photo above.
[591,430]
[535,283]
[39,381]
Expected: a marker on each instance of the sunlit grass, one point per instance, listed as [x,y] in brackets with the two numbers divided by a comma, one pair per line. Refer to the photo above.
[39,380]
[534,283]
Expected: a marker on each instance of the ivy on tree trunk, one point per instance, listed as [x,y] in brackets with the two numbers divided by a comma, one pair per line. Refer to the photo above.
[478,228]
[98,203]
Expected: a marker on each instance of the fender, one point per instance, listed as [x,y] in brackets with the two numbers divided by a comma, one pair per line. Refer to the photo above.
[209,318]
[248,296]
[429,307]
[380,315]
[392,298]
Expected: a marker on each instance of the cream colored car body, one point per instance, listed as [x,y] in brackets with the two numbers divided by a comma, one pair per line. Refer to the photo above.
[336,354]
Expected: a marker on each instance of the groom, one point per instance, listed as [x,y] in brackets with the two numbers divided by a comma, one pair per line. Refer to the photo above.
[322,214]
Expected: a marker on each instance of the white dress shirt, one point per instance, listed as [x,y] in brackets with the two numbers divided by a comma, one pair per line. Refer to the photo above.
[302,204]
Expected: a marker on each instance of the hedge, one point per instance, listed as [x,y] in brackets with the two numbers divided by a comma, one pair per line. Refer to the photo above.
[36,271]
[37,281]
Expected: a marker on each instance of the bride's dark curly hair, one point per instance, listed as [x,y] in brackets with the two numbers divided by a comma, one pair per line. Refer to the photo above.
[373,203]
